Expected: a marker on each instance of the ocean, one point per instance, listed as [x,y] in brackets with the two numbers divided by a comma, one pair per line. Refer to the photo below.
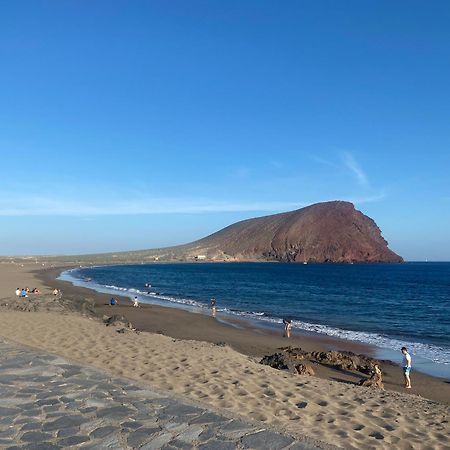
[385,305]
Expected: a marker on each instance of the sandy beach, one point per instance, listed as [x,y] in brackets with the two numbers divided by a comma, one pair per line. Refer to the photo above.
[218,364]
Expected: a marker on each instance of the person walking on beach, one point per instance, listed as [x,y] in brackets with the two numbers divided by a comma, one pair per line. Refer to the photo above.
[406,367]
[136,302]
[287,328]
[213,307]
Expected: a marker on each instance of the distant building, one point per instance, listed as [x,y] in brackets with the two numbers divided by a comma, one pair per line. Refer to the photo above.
[200,257]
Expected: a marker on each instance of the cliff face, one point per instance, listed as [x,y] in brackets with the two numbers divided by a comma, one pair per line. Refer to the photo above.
[324,232]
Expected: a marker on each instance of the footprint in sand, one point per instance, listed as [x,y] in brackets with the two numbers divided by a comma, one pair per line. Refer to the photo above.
[269,393]
[376,435]
[302,405]
[322,403]
[359,427]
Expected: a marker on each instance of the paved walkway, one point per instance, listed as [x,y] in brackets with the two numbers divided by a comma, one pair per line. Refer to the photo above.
[49,403]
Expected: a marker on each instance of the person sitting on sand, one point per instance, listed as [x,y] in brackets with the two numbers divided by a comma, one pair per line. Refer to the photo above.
[24,293]
[287,327]
[18,292]
[55,291]
[36,291]
[136,302]
[113,301]
[406,367]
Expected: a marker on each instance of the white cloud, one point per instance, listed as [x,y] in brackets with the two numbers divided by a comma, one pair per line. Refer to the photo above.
[356,169]
[21,205]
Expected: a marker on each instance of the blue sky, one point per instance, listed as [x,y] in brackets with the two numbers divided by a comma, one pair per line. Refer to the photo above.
[135,124]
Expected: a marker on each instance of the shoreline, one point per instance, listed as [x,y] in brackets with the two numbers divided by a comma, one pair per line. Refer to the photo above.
[333,340]
[250,340]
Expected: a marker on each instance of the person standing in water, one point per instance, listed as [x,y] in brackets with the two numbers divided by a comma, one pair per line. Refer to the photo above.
[406,367]
[213,307]
[287,327]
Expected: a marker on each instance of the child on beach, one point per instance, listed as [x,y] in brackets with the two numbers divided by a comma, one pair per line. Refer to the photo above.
[135,302]
[113,301]
[406,367]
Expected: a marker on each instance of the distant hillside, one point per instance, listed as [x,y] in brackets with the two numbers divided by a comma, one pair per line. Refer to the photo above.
[324,232]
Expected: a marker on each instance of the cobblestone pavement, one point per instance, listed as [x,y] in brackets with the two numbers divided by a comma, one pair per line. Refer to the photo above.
[49,403]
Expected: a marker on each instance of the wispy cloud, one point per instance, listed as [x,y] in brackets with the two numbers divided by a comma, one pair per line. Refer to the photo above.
[351,164]
[53,206]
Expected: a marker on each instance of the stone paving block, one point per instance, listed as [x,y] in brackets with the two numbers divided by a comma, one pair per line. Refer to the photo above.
[220,445]
[35,436]
[136,438]
[236,429]
[66,432]
[103,431]
[157,442]
[31,413]
[9,411]
[64,422]
[73,440]
[183,410]
[267,440]
[47,402]
[115,412]
[178,445]
[210,418]
[207,434]
[31,426]
[42,446]
[132,424]
[190,434]
[176,427]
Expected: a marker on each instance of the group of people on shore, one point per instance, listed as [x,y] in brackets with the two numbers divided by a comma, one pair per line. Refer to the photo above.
[113,302]
[25,291]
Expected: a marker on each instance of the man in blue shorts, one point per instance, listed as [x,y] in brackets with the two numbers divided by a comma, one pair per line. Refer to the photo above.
[406,367]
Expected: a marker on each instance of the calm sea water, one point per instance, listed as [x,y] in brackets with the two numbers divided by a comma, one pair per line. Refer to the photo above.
[385,305]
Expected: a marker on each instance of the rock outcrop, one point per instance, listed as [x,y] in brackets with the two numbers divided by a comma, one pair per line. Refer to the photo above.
[291,359]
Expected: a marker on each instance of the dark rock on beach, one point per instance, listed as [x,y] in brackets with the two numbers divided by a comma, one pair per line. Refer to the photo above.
[296,360]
